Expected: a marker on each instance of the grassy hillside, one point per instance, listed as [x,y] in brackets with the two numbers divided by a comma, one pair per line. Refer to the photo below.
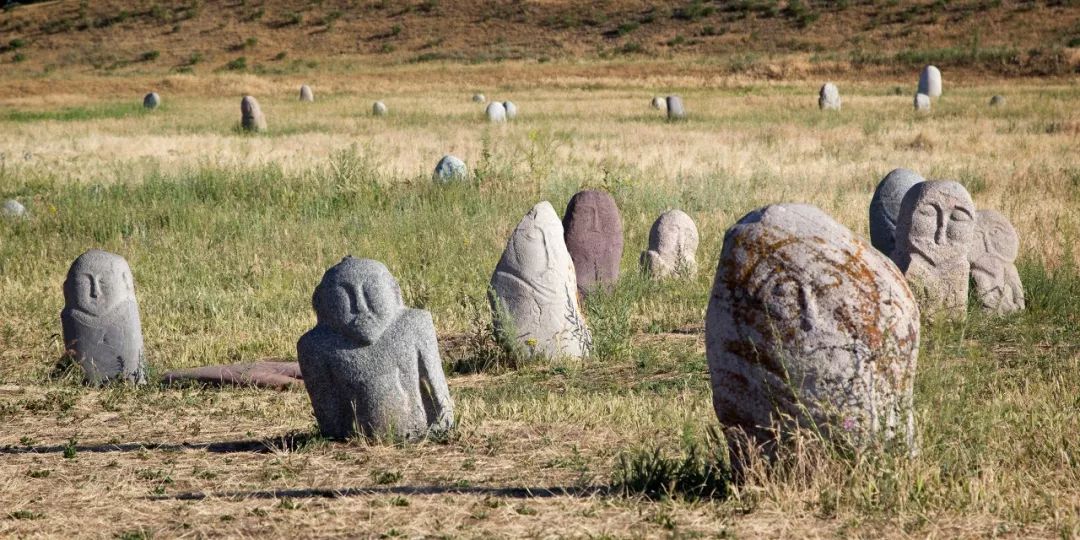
[762,37]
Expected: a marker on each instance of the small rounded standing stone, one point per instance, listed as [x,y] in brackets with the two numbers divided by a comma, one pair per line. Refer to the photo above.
[496,112]
[151,101]
[479,98]
[306,94]
[930,81]
[922,102]
[379,108]
[511,110]
[885,207]
[251,116]
[829,97]
[13,209]
[675,109]
[658,103]
[450,168]
[997,101]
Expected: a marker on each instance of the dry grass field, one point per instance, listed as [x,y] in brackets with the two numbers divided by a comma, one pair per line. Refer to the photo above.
[228,233]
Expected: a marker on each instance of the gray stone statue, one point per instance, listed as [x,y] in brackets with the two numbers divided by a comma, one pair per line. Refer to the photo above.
[371,365]
[13,209]
[151,101]
[100,319]
[449,169]
[930,81]
[922,102]
[997,101]
[993,252]
[673,242]
[829,97]
[594,238]
[675,109]
[496,112]
[479,98]
[933,234]
[306,94]
[251,116]
[885,207]
[658,103]
[534,290]
[511,110]
[379,109]
[808,325]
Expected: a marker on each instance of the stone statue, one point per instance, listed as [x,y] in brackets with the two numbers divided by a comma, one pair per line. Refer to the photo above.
[594,237]
[829,97]
[922,102]
[993,252]
[658,103]
[251,116]
[809,325]
[371,365]
[885,207]
[496,112]
[534,290]
[100,319]
[306,94]
[933,233]
[930,82]
[379,109]
[151,101]
[675,109]
[511,110]
[673,242]
[450,168]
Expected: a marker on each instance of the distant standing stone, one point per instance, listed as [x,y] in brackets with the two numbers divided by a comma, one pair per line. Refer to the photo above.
[930,82]
[151,101]
[658,103]
[933,235]
[100,319]
[808,325]
[13,209]
[450,168]
[594,237]
[997,101]
[829,97]
[479,98]
[534,290]
[378,108]
[306,94]
[922,102]
[511,110]
[673,243]
[251,116]
[371,365]
[885,207]
[675,109]
[993,263]
[496,112]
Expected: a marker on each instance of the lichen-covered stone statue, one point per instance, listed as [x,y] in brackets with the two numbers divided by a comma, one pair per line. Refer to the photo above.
[809,325]
[993,252]
[594,237]
[829,97]
[658,103]
[930,81]
[450,168]
[251,115]
[496,112]
[511,110]
[675,109]
[151,101]
[100,319]
[306,95]
[371,365]
[379,109]
[922,102]
[933,233]
[534,290]
[673,242]
[885,207]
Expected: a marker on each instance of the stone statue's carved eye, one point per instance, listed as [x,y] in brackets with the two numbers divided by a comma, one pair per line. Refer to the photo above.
[927,210]
[959,214]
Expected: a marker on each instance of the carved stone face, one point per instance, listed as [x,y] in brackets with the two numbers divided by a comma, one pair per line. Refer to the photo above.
[531,254]
[938,220]
[674,235]
[996,236]
[358,298]
[97,282]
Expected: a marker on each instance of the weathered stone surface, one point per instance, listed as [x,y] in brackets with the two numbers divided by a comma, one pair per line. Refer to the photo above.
[267,374]
[371,365]
[496,112]
[933,233]
[306,94]
[885,207]
[100,319]
[151,101]
[594,237]
[993,252]
[379,108]
[511,110]
[658,103]
[930,82]
[479,98]
[251,116]
[450,168]
[808,324]
[829,97]
[673,242]
[13,209]
[997,101]
[922,102]
[534,290]
[675,109]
